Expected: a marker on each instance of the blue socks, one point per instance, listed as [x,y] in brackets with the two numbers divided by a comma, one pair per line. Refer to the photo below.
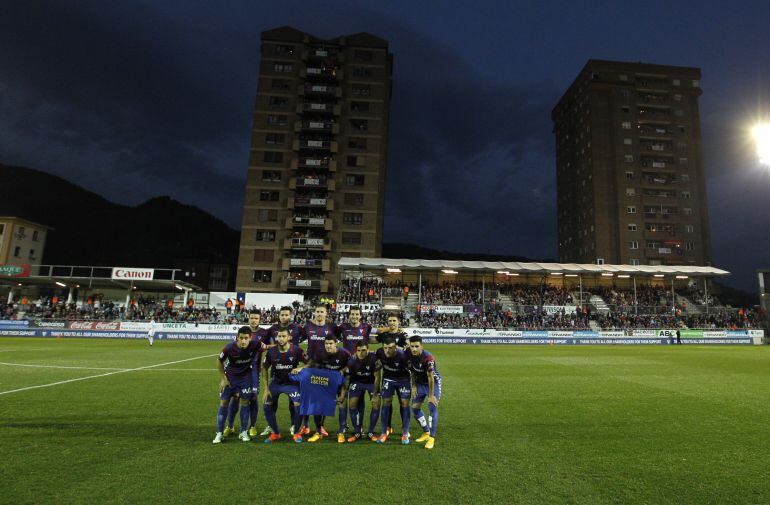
[420,417]
[270,416]
[373,417]
[406,418]
[343,416]
[221,416]
[245,411]
[253,412]
[433,418]
[387,412]
[232,410]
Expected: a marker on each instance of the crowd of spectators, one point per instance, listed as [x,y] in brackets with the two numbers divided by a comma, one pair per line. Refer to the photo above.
[532,318]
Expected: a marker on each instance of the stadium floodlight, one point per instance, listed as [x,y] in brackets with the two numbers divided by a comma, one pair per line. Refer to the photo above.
[512,274]
[61,284]
[761,134]
[394,270]
[681,277]
[556,273]
[179,287]
[607,274]
[503,272]
[571,275]
[658,275]
[623,276]
[448,271]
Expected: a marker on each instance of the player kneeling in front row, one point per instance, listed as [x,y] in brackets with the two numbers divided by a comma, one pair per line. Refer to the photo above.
[234,364]
[363,377]
[279,362]
[426,383]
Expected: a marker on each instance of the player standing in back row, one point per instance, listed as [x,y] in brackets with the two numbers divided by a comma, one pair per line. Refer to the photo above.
[395,381]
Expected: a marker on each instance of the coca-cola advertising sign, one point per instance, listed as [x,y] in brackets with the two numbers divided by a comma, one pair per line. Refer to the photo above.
[133,274]
[91,325]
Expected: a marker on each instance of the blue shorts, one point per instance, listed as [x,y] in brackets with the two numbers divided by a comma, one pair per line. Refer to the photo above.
[357,389]
[422,391]
[389,388]
[239,386]
[290,390]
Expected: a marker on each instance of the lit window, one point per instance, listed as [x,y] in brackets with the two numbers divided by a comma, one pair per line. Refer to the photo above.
[631,227]
[627,141]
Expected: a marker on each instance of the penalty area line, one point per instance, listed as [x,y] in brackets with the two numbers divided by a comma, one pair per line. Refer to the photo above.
[126,370]
[61,366]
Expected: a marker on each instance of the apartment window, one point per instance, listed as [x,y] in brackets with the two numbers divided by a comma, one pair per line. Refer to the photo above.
[278,120]
[683,161]
[284,49]
[280,85]
[626,125]
[269,196]
[265,236]
[631,227]
[627,141]
[283,68]
[628,158]
[267,215]
[623,77]
[686,195]
[352,161]
[272,157]
[271,176]
[631,209]
[687,211]
[354,180]
[633,244]
[262,276]
[678,112]
[634,261]
[690,246]
[629,175]
[22,233]
[35,235]
[362,55]
[279,102]
[356,143]
[630,192]
[359,106]
[685,177]
[360,90]
[353,218]
[31,254]
[361,125]
[354,199]
[362,72]
[677,82]
[625,94]
[677,97]
[695,83]
[16,252]
[594,76]
[599,261]
[275,138]
[2,228]
[682,128]
[688,228]
[351,238]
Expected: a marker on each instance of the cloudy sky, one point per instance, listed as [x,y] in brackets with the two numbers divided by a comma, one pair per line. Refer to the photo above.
[138,99]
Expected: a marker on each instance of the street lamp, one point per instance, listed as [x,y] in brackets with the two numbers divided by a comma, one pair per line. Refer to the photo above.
[761,134]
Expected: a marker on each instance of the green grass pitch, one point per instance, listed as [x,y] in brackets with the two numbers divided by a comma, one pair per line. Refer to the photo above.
[626,424]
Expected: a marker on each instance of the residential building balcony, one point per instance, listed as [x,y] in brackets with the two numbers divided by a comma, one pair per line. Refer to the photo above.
[312,182]
[319,163]
[301,201]
[322,244]
[310,284]
[306,263]
[317,126]
[309,222]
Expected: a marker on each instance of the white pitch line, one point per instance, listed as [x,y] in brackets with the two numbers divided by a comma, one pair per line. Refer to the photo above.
[61,366]
[103,375]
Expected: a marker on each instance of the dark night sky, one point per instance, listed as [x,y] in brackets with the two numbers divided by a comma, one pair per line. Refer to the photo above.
[137,99]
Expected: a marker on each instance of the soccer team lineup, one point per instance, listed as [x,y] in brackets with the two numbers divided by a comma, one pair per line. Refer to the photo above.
[336,374]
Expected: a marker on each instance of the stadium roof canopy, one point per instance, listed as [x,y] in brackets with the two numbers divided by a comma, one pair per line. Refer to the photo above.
[534,268]
[95,277]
